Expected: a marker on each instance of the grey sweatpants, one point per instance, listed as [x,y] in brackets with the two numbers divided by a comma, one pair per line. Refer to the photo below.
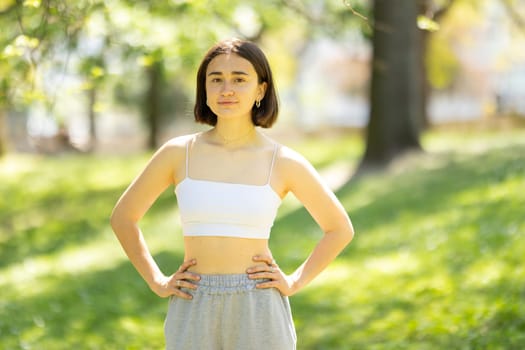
[227,312]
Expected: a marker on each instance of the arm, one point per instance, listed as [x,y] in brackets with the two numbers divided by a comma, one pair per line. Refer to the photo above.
[131,207]
[300,178]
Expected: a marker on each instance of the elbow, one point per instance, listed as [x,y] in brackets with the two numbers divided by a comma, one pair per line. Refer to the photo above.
[343,235]
[121,219]
[116,219]
[342,232]
[350,236]
[348,233]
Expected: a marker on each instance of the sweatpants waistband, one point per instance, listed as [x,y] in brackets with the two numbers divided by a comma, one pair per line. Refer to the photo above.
[226,283]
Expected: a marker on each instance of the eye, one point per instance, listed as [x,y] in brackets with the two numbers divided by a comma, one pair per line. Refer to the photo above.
[240,80]
[216,80]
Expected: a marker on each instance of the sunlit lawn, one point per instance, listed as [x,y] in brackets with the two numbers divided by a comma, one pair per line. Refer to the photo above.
[437,262]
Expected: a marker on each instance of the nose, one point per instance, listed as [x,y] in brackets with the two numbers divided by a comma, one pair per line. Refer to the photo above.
[226,89]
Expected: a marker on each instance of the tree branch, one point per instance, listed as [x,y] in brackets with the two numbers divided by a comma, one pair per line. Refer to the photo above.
[516,17]
[293,5]
[349,5]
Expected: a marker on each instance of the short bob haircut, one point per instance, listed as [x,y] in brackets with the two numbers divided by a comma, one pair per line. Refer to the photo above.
[266,114]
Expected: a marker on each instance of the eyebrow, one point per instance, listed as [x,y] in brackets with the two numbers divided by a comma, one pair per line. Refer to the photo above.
[233,73]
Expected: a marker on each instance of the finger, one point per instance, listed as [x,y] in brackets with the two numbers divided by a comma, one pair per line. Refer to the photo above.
[179,293]
[258,268]
[265,285]
[187,264]
[188,276]
[267,259]
[185,284]
[262,275]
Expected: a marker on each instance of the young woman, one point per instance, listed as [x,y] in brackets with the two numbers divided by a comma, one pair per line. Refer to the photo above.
[229,293]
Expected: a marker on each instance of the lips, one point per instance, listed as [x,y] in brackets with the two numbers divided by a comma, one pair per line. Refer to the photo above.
[227,103]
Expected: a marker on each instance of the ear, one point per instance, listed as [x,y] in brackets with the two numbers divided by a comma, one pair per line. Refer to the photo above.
[261,90]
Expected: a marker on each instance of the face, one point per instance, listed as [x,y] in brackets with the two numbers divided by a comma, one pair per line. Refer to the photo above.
[232,86]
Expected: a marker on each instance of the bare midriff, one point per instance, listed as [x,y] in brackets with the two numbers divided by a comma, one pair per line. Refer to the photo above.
[223,255]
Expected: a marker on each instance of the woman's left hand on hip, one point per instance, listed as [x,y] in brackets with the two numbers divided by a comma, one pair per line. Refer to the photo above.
[268,269]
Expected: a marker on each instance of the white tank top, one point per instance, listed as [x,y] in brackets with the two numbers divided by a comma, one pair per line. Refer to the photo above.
[213,208]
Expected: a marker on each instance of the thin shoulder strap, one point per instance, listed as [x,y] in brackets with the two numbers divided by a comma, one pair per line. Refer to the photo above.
[188,154]
[273,162]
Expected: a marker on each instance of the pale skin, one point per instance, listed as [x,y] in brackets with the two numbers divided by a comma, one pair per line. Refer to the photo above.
[232,88]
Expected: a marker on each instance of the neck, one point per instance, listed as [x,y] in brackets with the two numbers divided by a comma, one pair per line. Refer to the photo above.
[234,132]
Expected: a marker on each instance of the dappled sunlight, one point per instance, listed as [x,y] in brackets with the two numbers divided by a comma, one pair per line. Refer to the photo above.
[431,283]
[385,323]
[392,264]
[336,274]
[436,263]
[323,151]
[14,165]
[484,272]
[94,255]
[431,240]
[60,259]
[471,140]
[84,310]
[133,324]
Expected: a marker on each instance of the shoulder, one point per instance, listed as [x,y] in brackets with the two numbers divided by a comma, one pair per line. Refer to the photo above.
[170,158]
[293,167]
[291,159]
[286,156]
[178,142]
[297,175]
[177,145]
[173,152]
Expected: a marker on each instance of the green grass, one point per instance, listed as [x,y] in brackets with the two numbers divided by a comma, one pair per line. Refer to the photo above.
[437,261]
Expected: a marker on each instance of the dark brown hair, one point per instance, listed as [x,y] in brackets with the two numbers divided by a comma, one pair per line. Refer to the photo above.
[263,116]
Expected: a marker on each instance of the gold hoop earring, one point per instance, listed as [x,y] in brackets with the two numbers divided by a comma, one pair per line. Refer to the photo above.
[258,103]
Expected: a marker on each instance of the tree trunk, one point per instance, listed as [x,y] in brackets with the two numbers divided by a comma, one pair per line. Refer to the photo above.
[396,98]
[424,119]
[153,99]
[92,100]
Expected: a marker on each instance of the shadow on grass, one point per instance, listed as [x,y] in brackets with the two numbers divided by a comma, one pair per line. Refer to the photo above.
[448,220]
[55,223]
[461,286]
[105,309]
[460,191]
[60,212]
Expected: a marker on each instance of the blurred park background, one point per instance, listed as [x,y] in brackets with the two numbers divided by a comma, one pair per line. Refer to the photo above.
[412,110]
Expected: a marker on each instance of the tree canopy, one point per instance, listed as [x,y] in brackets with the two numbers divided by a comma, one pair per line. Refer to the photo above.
[144,53]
